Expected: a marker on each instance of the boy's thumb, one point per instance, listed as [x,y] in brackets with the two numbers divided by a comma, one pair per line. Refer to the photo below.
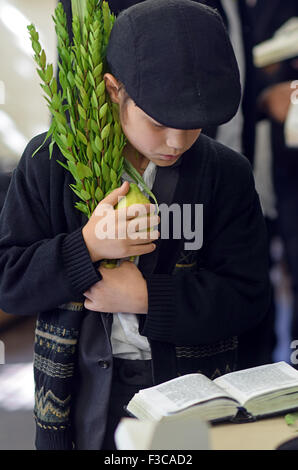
[112,198]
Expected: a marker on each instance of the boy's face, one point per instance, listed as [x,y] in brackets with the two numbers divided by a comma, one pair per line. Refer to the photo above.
[160,144]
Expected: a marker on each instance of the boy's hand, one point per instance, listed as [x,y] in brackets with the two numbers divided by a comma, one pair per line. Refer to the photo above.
[276,100]
[122,289]
[102,238]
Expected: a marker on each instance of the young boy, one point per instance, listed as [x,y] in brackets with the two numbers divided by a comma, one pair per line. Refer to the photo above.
[102,334]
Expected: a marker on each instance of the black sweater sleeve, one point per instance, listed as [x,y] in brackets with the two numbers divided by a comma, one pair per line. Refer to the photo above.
[38,271]
[230,293]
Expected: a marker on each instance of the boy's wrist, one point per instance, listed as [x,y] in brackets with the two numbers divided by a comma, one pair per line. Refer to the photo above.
[86,238]
[78,262]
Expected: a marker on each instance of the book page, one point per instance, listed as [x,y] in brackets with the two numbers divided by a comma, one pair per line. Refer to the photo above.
[183,391]
[248,383]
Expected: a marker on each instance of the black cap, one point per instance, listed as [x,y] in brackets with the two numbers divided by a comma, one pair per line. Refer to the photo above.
[176,62]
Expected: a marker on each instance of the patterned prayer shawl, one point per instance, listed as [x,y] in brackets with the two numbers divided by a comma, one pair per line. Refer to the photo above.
[54,366]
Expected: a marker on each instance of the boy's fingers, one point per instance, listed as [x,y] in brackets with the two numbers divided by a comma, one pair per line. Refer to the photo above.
[136,210]
[137,238]
[142,249]
[142,224]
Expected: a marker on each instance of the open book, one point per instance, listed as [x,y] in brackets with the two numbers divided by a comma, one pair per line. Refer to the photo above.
[255,392]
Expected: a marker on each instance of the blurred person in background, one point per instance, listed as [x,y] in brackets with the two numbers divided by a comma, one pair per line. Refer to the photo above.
[274,98]
[238,134]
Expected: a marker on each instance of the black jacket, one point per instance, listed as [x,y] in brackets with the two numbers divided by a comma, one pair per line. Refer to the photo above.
[196,309]
[5,178]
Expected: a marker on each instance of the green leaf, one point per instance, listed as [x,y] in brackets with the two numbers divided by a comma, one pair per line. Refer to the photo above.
[49,73]
[101,88]
[96,169]
[71,79]
[49,133]
[89,151]
[68,155]
[43,59]
[36,47]
[102,100]
[54,86]
[51,149]
[94,101]
[98,194]
[115,153]
[98,70]
[73,169]
[291,418]
[76,190]
[65,56]
[78,82]
[117,129]
[83,51]
[105,132]
[69,97]
[82,112]
[91,79]
[79,9]
[63,139]
[98,143]
[41,74]
[72,125]
[60,118]
[115,185]
[56,102]
[94,126]
[63,164]
[113,175]
[70,140]
[83,93]
[83,171]
[82,208]
[116,163]
[81,137]
[85,195]
[46,89]
[61,128]
[105,172]
[103,110]
[92,188]
[90,62]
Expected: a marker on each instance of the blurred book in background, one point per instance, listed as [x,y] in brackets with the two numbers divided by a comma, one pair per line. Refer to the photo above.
[282,46]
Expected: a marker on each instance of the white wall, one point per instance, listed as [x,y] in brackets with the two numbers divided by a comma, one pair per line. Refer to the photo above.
[23,110]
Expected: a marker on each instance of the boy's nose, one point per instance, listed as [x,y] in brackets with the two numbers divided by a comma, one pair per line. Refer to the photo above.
[176,139]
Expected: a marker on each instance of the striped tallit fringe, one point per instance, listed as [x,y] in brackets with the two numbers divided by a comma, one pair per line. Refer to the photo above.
[54,368]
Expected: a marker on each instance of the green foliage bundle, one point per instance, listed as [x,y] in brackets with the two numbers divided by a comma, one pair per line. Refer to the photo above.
[85,122]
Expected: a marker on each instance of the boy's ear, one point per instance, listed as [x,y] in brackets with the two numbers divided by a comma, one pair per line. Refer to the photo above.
[112,86]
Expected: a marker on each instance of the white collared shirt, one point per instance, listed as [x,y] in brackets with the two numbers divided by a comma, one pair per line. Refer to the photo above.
[126,341]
